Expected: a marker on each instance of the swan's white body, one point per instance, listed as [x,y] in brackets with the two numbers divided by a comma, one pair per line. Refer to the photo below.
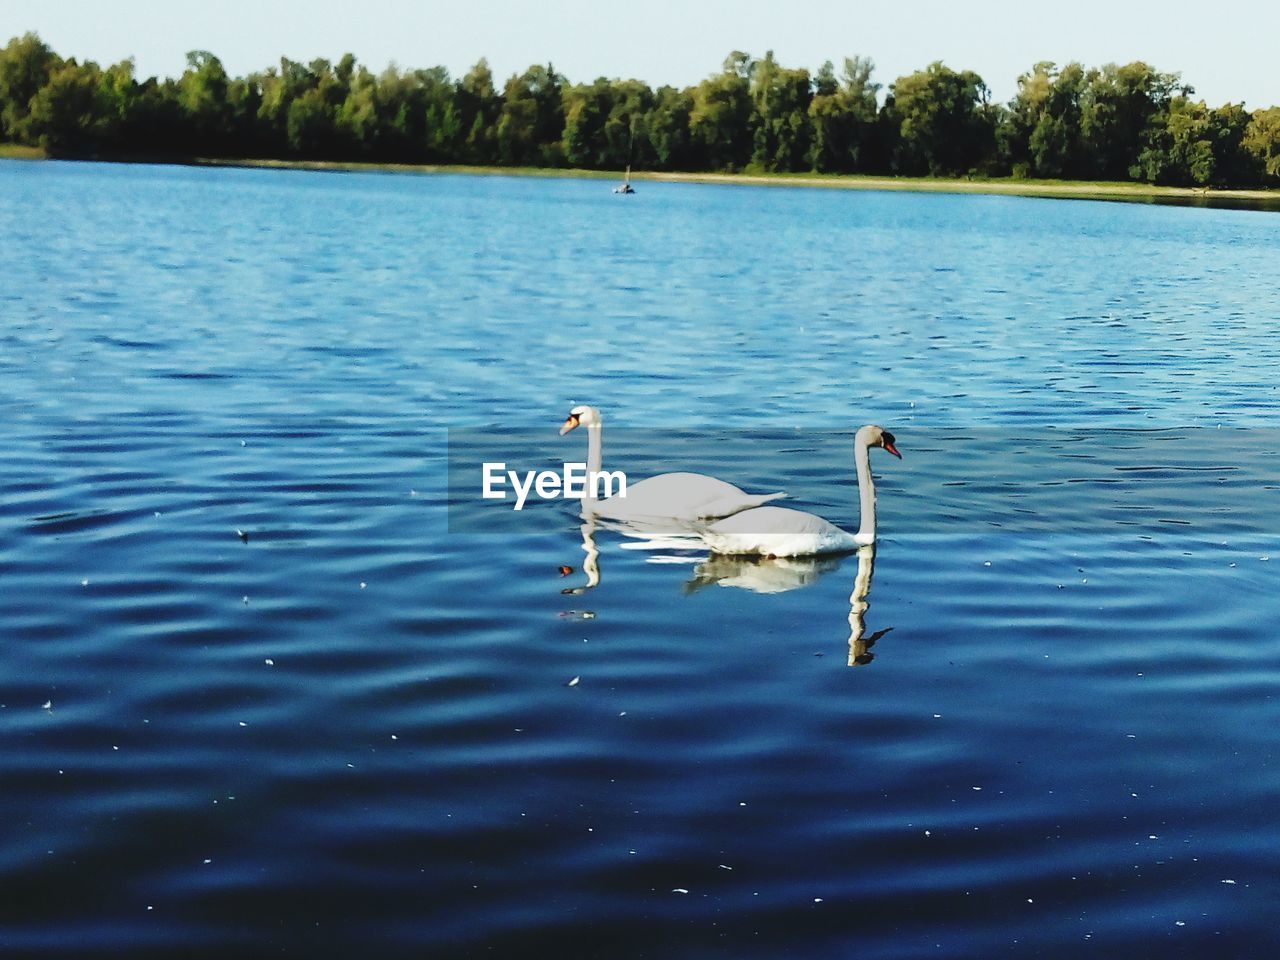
[683,497]
[780,532]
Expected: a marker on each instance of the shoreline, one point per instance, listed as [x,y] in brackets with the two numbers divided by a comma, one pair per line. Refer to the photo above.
[1001,186]
[1257,198]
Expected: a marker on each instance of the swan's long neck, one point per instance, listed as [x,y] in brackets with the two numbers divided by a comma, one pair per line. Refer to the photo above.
[866,490]
[594,456]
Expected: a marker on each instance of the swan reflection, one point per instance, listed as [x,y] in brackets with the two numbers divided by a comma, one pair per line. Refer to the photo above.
[757,574]
[778,575]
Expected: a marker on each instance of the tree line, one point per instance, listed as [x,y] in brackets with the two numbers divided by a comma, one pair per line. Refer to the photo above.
[1129,122]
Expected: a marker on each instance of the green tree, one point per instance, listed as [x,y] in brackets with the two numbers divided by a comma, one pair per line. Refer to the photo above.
[610,123]
[842,117]
[26,63]
[478,107]
[357,119]
[781,132]
[402,115]
[587,108]
[719,123]
[668,129]
[1179,151]
[443,121]
[1231,162]
[532,120]
[1122,109]
[202,97]
[1040,135]
[280,88]
[944,122]
[1262,140]
[71,114]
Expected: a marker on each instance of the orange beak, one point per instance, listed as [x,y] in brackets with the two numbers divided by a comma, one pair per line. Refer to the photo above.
[892,449]
[570,422]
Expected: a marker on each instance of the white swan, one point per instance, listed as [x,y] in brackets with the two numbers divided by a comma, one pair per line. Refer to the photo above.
[686,497]
[779,532]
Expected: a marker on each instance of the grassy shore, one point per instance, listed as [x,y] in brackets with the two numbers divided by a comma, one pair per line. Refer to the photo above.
[1077,189]
[1066,189]
[14,151]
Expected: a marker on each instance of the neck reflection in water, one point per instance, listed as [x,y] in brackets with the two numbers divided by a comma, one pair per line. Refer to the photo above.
[590,562]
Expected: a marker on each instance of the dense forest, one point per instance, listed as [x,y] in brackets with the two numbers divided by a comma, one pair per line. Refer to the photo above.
[1128,122]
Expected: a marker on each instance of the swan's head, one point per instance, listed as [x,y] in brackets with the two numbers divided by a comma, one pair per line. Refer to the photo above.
[580,416]
[874,436]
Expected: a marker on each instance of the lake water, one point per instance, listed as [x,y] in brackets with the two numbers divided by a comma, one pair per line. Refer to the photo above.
[355,727]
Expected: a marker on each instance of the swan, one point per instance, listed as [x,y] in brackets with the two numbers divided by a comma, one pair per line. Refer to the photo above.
[686,497]
[780,532]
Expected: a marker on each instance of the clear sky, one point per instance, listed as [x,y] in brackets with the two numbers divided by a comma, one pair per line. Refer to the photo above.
[1227,51]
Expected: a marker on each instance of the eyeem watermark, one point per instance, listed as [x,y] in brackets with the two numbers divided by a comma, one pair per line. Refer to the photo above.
[573,482]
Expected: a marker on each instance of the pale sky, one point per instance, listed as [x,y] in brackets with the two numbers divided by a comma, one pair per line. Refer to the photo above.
[1226,51]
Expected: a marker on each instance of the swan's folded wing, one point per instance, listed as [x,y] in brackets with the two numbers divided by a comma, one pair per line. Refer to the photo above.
[683,496]
[772,520]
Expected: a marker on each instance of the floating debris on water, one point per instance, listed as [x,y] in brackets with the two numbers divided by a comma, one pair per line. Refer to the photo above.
[243,535]
[574,682]
[679,890]
[47,705]
[564,570]
[269,662]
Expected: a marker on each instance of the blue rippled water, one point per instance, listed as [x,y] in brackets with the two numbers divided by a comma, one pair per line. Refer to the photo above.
[259,695]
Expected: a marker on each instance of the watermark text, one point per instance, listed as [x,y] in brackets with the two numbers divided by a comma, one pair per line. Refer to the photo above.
[572,482]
